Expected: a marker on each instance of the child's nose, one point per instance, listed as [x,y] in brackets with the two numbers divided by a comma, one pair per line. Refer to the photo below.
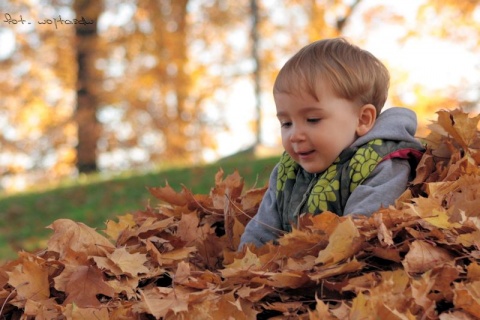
[297,134]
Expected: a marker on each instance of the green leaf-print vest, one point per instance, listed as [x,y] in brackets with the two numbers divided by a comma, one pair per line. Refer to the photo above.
[301,192]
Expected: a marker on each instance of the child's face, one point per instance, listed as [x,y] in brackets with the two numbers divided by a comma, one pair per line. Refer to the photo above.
[314,133]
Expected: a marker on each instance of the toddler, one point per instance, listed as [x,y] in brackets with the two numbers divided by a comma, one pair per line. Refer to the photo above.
[341,153]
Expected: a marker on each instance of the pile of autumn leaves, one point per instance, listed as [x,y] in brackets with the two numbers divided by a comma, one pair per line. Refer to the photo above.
[419,259]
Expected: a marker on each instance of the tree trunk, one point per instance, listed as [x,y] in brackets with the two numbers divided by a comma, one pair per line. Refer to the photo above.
[87,103]
[256,72]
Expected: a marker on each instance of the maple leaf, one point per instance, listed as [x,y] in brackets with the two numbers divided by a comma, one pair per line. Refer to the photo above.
[249,261]
[253,292]
[43,309]
[473,271]
[170,257]
[76,236]
[343,243]
[72,311]
[30,279]
[169,195]
[286,279]
[321,311]
[458,124]
[131,264]
[83,286]
[384,234]
[333,270]
[423,256]
[421,288]
[115,229]
[251,200]
[225,306]
[187,227]
[161,301]
[467,297]
[125,286]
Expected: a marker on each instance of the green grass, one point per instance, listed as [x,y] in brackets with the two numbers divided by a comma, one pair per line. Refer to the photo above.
[93,201]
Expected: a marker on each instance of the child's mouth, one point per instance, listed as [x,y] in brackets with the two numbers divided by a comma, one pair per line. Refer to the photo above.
[305,154]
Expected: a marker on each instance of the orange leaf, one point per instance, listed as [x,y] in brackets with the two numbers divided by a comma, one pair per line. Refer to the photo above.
[462,128]
[250,261]
[467,297]
[169,195]
[343,243]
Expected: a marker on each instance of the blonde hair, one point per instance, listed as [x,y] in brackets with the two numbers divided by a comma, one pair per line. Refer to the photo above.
[351,72]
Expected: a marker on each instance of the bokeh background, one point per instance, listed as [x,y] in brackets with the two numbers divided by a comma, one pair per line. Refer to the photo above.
[102,99]
[106,86]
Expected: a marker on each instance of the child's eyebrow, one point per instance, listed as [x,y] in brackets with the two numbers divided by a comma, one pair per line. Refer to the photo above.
[306,109]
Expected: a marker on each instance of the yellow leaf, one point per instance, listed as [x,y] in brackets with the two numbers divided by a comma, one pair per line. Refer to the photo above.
[343,243]
[114,229]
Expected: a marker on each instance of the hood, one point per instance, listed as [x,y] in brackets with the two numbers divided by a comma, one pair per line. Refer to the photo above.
[399,124]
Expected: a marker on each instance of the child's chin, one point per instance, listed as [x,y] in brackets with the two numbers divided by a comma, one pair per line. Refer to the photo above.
[312,169]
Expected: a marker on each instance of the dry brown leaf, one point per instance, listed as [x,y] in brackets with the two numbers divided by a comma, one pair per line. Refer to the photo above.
[30,280]
[169,195]
[73,311]
[131,264]
[423,256]
[162,302]
[85,283]
[78,237]
[343,268]
[43,310]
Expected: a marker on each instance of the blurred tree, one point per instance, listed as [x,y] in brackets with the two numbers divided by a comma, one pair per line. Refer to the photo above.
[255,44]
[165,67]
[153,88]
[88,127]
[453,22]
[36,85]
[327,19]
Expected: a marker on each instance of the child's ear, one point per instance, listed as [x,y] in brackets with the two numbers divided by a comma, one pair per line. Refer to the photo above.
[366,119]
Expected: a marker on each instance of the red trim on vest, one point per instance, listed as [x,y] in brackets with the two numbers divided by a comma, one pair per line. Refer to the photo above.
[404,154]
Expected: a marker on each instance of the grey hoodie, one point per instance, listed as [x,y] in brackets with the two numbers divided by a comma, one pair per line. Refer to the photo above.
[384,185]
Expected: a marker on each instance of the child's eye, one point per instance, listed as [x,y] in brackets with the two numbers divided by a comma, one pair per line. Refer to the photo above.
[285,124]
[313,120]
